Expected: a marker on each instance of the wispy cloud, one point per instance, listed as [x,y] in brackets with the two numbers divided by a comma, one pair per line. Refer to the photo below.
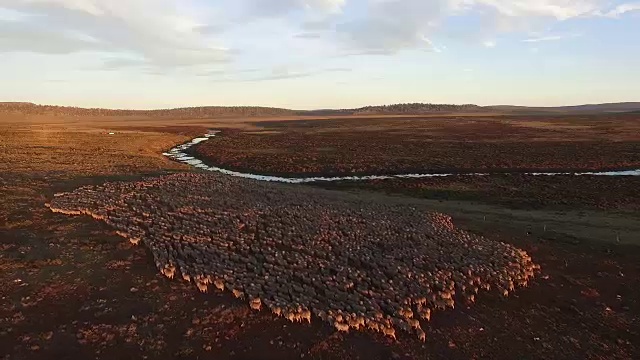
[551,38]
[286,73]
[164,36]
[622,9]
[489,43]
[308,35]
[274,8]
[226,72]
[392,26]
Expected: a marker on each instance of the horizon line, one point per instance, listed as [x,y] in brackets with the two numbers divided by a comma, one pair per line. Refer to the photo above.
[177,107]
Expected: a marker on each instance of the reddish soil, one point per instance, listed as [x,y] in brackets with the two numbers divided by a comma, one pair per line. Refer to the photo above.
[301,252]
[460,145]
[73,289]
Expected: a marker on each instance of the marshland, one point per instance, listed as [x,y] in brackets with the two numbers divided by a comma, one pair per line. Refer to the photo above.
[111,247]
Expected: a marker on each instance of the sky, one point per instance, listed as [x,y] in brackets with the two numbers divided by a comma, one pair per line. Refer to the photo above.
[311,54]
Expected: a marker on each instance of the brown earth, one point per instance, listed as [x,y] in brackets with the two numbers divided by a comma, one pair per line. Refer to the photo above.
[74,289]
[519,191]
[419,145]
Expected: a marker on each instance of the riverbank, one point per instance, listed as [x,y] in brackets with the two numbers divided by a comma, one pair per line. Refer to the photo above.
[187,154]
[341,148]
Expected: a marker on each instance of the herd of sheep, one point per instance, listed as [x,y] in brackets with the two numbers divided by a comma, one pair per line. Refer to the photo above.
[305,253]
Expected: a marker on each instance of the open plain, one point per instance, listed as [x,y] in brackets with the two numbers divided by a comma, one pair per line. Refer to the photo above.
[456,144]
[72,286]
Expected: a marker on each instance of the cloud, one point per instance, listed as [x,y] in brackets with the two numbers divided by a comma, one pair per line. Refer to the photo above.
[308,35]
[164,36]
[489,44]
[317,25]
[279,72]
[275,8]
[623,9]
[117,63]
[226,72]
[332,6]
[551,38]
[18,36]
[558,9]
[285,72]
[390,26]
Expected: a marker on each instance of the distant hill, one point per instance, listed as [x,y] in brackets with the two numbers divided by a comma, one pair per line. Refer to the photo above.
[233,111]
[203,112]
[417,108]
[589,108]
[189,112]
[399,109]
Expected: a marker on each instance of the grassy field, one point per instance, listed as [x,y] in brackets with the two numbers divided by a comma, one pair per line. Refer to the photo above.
[74,289]
[518,191]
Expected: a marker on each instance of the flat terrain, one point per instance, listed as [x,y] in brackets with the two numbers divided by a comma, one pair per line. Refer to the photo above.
[72,288]
[518,191]
[431,144]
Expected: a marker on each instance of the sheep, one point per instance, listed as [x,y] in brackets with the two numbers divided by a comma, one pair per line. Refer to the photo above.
[362,266]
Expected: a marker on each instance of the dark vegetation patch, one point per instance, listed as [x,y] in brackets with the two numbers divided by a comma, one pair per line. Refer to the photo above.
[442,145]
[516,191]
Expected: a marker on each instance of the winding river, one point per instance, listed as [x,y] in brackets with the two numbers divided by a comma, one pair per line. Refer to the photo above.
[179,153]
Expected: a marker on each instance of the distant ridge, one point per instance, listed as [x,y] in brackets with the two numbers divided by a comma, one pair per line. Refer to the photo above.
[417,108]
[587,108]
[231,111]
[28,108]
[187,112]
[404,109]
